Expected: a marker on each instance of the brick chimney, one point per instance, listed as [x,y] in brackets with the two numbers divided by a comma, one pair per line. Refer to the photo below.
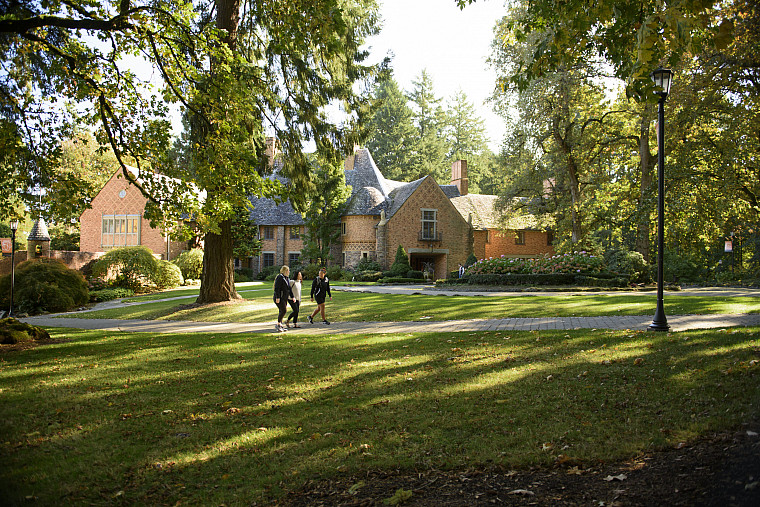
[459,176]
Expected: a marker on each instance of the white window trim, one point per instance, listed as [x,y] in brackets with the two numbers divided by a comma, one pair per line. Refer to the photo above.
[434,221]
[126,218]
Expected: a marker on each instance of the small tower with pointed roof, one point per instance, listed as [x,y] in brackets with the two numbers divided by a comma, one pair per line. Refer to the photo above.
[38,242]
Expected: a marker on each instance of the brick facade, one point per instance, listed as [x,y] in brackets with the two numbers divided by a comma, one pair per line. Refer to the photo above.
[504,243]
[120,198]
[405,226]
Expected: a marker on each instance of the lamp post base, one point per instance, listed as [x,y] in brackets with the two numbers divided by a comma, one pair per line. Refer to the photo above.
[660,322]
[658,326]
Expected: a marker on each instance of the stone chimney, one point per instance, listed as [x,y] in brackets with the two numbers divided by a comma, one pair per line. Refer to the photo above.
[459,176]
[271,150]
[348,164]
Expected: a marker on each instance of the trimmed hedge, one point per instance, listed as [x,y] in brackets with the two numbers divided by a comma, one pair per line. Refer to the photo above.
[522,279]
[399,279]
[597,280]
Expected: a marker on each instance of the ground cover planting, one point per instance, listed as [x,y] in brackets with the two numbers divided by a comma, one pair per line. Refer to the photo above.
[105,418]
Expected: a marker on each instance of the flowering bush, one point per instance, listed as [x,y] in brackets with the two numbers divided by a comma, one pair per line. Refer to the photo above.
[575,263]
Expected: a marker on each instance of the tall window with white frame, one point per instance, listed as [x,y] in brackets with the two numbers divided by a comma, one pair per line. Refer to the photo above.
[429,224]
[120,230]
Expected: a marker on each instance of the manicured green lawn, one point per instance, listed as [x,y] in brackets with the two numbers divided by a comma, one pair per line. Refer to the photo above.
[355,306]
[144,419]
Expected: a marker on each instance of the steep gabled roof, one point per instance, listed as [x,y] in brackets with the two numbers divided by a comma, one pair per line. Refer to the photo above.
[401,193]
[268,212]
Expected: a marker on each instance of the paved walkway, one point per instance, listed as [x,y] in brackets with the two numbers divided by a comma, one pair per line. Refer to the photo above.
[676,322]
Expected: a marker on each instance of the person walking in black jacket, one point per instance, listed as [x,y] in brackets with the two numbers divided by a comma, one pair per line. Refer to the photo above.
[281,296]
[320,290]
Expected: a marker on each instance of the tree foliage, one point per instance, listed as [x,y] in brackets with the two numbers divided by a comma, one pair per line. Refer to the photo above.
[326,204]
[392,132]
[634,36]
[237,69]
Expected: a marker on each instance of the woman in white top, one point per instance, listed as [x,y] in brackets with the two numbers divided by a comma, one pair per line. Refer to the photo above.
[295,303]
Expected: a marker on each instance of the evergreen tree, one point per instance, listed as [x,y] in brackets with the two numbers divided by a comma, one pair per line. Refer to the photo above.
[467,140]
[430,147]
[392,132]
[325,205]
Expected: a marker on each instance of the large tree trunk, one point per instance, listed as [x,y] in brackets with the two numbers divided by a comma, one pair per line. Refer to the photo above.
[575,189]
[218,278]
[646,166]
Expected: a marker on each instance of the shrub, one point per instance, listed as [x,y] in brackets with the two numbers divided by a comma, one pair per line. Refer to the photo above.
[167,275]
[311,271]
[630,264]
[190,262]
[400,265]
[12,331]
[368,276]
[269,271]
[415,274]
[681,268]
[108,294]
[335,273]
[471,259]
[367,265]
[246,272]
[575,263]
[131,267]
[44,285]
[398,279]
[241,277]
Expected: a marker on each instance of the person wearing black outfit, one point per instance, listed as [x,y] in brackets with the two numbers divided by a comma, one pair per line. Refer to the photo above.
[320,290]
[281,296]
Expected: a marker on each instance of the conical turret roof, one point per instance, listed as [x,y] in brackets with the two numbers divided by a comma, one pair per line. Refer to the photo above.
[39,231]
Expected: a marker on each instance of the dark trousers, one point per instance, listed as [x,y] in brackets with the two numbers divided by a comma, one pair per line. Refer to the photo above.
[295,305]
[283,307]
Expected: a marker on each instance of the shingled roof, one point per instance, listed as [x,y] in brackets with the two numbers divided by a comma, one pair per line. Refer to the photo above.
[372,193]
[39,231]
[269,212]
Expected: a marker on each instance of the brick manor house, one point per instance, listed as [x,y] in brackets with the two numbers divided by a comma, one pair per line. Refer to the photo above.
[437,225]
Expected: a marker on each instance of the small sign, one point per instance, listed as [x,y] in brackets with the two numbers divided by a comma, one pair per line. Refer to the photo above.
[7,245]
[729,247]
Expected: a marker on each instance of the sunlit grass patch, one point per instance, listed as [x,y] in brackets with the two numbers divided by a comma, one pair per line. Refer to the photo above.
[151,419]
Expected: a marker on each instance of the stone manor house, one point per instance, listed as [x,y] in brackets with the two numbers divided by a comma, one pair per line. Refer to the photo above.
[437,225]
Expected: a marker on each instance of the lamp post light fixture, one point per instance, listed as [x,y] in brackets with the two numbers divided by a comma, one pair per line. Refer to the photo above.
[14,228]
[662,79]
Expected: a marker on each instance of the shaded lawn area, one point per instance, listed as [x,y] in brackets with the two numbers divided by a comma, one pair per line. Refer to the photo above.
[368,307]
[234,419]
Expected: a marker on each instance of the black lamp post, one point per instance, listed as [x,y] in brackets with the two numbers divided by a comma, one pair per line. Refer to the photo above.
[14,228]
[662,79]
